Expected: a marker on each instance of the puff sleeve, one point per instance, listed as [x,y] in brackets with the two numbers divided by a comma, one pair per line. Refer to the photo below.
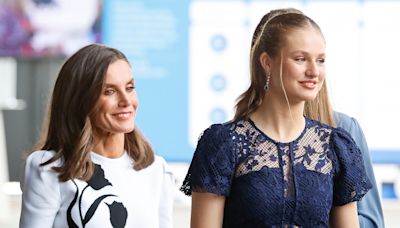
[213,164]
[350,182]
[41,198]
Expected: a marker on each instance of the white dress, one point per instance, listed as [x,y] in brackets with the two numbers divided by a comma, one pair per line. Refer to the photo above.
[116,195]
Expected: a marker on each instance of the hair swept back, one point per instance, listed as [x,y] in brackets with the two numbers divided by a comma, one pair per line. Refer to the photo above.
[67,128]
[269,37]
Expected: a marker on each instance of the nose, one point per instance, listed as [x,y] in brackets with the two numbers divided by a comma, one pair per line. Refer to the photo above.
[124,99]
[312,70]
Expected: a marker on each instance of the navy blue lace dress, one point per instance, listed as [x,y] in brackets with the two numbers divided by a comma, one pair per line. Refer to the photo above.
[272,184]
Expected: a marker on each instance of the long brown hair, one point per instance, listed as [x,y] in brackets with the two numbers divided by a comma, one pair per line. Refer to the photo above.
[269,36]
[67,128]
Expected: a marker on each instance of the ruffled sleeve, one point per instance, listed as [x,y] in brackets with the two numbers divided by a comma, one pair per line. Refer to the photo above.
[351,182]
[213,164]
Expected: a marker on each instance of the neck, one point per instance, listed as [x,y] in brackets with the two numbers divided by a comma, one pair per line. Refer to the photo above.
[109,145]
[278,120]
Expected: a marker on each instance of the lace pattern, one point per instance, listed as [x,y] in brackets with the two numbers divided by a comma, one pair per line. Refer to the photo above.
[268,183]
[257,151]
[254,151]
[311,150]
[349,185]
[214,167]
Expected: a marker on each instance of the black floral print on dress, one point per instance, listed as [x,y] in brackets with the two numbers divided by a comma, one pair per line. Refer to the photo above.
[118,212]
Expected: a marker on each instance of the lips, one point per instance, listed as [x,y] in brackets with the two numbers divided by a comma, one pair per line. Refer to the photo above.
[123,115]
[309,84]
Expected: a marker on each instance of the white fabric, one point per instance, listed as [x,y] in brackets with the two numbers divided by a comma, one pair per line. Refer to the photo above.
[147,194]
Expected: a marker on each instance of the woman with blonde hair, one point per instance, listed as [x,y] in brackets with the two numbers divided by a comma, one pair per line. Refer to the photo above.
[369,209]
[93,168]
[272,165]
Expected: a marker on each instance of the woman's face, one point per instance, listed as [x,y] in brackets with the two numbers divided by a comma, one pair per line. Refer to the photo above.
[117,104]
[303,64]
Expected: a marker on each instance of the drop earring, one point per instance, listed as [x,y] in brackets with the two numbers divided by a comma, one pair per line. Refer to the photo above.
[266,86]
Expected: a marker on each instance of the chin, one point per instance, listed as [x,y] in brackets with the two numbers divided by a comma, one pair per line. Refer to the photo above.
[125,129]
[309,97]
[302,99]
[129,130]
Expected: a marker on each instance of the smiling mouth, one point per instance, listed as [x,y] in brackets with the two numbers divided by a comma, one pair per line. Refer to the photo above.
[309,84]
[123,115]
[127,114]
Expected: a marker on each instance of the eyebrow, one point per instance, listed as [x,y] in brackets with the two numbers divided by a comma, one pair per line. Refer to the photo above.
[131,81]
[305,53]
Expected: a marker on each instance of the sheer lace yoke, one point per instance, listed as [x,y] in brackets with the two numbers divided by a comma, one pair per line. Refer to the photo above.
[254,125]
[273,184]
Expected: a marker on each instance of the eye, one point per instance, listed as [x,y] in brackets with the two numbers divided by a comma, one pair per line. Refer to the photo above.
[299,59]
[130,88]
[109,91]
[321,60]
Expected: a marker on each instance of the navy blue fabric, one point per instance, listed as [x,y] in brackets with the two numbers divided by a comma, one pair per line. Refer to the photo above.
[273,184]
[369,208]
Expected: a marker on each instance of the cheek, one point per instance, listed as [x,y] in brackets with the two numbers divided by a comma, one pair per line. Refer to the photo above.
[135,101]
[321,80]
[292,75]
[322,73]
[97,119]
[99,114]
[105,106]
[291,71]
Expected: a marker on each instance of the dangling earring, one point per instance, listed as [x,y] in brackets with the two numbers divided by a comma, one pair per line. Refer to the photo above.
[266,86]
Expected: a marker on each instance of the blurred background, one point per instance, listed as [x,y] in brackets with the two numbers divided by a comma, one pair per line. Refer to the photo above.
[190,62]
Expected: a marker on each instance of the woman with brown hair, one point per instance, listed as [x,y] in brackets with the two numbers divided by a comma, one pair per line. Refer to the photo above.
[274,165]
[92,166]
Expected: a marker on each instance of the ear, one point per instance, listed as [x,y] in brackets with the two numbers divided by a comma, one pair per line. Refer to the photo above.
[265,62]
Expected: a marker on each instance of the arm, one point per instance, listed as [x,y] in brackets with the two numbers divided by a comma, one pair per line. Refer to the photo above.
[344,216]
[370,213]
[209,177]
[207,210]
[40,193]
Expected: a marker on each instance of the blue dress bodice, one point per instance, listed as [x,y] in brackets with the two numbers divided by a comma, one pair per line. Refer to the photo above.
[272,184]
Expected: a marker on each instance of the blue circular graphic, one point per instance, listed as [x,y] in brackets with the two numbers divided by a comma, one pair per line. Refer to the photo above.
[218,82]
[218,43]
[218,115]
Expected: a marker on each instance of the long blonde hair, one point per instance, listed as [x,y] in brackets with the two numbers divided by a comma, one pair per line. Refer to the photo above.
[269,36]
[321,108]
